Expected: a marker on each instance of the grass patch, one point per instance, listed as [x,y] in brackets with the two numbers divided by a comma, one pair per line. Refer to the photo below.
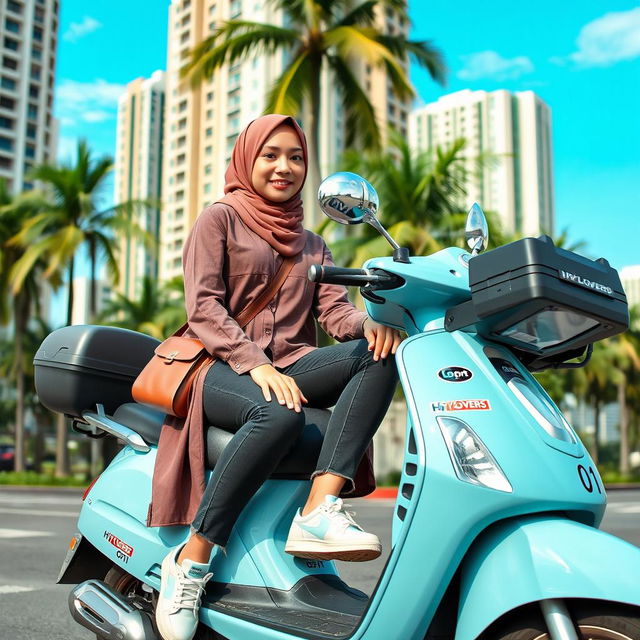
[33,479]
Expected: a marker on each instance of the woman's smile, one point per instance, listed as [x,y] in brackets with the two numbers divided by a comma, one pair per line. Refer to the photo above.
[279,170]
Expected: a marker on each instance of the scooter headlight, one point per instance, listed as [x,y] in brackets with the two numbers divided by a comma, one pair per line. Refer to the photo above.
[470,457]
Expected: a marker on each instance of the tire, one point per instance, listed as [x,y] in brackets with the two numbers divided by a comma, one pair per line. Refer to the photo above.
[593,619]
[129,586]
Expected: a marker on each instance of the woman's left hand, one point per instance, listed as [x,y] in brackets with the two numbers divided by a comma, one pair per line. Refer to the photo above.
[382,340]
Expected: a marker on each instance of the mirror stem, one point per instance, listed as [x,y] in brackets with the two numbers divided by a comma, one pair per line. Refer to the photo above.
[373,221]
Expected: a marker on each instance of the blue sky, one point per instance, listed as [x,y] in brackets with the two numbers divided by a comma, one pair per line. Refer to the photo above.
[582,57]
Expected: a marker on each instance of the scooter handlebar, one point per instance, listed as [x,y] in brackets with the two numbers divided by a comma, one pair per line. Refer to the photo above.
[347,277]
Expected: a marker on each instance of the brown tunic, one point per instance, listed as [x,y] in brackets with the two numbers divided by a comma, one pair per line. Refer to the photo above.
[226,266]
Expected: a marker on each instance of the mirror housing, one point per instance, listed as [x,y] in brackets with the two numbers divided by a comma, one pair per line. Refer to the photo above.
[476,231]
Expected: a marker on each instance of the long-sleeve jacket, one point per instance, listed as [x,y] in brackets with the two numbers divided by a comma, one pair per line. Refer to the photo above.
[226,266]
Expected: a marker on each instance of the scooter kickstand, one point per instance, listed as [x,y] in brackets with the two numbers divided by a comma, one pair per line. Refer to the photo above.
[558,620]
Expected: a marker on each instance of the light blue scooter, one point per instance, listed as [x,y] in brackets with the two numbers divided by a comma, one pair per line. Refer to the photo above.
[495,530]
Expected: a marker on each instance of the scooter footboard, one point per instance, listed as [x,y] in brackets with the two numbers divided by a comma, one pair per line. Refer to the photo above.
[529,559]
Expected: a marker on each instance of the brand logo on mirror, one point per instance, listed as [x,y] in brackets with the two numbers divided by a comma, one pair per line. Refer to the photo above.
[455,374]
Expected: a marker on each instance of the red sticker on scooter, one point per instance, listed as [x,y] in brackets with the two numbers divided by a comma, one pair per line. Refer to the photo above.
[461,405]
[118,544]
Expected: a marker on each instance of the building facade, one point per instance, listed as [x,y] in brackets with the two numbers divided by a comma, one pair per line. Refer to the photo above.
[511,132]
[138,175]
[28,131]
[630,278]
[202,123]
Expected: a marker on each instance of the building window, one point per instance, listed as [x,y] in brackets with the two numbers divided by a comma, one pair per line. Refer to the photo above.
[34,92]
[6,123]
[12,25]
[180,159]
[182,106]
[6,143]
[38,15]
[5,163]
[209,132]
[7,103]
[235,8]
[210,96]
[14,6]
[10,43]
[207,169]
[208,150]
[7,83]
[9,63]
[184,37]
[36,72]
[37,34]
[32,112]
[31,131]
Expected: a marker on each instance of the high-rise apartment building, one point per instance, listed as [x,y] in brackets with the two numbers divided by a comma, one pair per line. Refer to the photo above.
[630,278]
[202,124]
[512,132]
[138,174]
[28,131]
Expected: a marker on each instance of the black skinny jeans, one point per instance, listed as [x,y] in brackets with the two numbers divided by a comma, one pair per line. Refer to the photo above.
[344,376]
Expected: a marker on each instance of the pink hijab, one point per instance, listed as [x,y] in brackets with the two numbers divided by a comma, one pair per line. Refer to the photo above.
[279,223]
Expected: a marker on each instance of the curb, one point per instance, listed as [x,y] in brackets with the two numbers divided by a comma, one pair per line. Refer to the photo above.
[391,493]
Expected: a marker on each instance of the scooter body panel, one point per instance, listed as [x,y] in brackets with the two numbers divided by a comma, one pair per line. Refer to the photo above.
[543,479]
[113,519]
[534,558]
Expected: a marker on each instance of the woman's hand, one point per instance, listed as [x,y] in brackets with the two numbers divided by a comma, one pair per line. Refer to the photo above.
[382,339]
[268,378]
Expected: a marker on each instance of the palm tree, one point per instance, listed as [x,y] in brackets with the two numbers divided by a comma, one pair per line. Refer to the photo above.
[69,218]
[321,34]
[72,217]
[422,196]
[15,212]
[158,312]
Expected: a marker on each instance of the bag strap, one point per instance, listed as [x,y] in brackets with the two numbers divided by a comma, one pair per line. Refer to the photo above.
[250,312]
[253,309]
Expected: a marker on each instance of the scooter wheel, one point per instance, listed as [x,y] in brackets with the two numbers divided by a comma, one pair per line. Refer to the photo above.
[593,619]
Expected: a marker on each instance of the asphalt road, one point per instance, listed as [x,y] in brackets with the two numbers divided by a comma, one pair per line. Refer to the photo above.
[35,527]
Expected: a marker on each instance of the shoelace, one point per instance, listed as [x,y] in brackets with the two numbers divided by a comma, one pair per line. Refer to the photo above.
[188,593]
[337,509]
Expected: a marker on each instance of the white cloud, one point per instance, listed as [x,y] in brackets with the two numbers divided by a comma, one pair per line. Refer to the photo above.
[89,101]
[489,64]
[78,30]
[609,39]
[96,116]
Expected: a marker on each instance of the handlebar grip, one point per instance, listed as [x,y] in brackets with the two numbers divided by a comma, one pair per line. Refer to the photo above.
[339,275]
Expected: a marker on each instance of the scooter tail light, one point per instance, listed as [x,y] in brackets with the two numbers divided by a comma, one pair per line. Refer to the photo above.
[86,491]
[471,459]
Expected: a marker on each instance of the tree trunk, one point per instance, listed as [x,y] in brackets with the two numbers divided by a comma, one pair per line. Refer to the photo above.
[62,451]
[38,448]
[70,290]
[21,315]
[93,305]
[596,433]
[313,134]
[624,427]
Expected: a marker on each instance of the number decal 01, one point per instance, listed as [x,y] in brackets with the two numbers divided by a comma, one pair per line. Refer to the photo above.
[589,479]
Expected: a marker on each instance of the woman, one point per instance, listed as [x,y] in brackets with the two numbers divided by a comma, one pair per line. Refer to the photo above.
[265,373]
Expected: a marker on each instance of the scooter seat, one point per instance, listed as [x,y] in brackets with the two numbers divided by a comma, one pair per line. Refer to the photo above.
[299,463]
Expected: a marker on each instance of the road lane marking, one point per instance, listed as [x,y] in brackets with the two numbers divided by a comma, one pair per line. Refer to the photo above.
[14,588]
[34,512]
[625,508]
[24,500]
[24,533]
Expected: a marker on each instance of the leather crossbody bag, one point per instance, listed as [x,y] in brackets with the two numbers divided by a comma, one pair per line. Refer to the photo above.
[166,382]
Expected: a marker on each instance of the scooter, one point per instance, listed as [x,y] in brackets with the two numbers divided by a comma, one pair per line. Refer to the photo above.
[495,529]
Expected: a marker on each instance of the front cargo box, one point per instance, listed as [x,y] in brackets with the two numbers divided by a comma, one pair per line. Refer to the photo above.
[541,299]
[80,366]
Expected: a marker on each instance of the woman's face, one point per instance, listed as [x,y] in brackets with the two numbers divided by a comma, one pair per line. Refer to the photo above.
[278,172]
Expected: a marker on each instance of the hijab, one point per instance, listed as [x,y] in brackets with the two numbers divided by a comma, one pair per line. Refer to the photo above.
[278,223]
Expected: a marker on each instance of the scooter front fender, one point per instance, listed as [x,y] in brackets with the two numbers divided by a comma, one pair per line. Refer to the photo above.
[524,560]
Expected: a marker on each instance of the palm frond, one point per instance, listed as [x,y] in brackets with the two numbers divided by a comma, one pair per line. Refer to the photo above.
[234,40]
[287,93]
[364,15]
[424,52]
[361,121]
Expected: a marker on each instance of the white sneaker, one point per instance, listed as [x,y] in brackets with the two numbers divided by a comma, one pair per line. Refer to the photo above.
[181,588]
[330,533]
